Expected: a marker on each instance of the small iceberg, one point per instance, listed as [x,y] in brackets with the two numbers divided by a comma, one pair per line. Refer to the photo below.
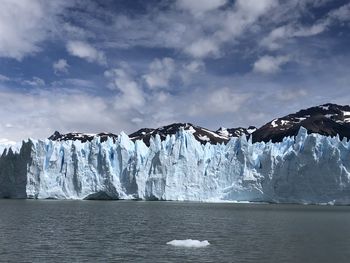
[188,243]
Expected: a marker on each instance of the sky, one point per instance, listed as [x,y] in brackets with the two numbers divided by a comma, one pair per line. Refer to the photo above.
[112,66]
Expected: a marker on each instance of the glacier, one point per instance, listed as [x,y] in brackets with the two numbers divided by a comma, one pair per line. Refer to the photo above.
[308,169]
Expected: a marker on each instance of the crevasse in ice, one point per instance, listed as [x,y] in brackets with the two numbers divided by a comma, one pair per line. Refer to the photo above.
[305,169]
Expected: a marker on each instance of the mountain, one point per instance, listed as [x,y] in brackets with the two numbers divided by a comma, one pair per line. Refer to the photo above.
[201,134]
[328,119]
[83,137]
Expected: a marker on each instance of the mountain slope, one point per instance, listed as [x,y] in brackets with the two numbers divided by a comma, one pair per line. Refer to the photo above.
[83,137]
[201,134]
[328,119]
[236,132]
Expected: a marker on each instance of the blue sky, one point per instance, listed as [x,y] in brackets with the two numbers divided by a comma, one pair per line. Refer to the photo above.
[95,66]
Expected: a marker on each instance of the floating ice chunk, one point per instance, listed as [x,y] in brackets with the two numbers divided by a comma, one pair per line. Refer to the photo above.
[188,243]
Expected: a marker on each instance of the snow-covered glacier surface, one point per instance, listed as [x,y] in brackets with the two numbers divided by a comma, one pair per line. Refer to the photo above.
[305,169]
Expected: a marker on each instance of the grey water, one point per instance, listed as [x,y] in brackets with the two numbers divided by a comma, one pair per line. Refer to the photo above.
[130,231]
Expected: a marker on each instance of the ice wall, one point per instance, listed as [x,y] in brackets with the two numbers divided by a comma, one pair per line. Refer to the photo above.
[306,169]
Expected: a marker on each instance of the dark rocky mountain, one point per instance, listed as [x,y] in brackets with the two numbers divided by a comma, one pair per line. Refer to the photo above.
[328,119]
[201,134]
[83,137]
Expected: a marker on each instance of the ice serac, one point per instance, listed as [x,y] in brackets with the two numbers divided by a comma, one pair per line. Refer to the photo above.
[308,168]
[14,163]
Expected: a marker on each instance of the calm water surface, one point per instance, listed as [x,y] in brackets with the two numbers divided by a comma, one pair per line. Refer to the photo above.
[128,231]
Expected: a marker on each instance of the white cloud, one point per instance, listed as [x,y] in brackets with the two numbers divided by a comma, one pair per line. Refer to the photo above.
[294,94]
[194,31]
[203,48]
[216,101]
[75,32]
[205,37]
[162,106]
[194,66]
[191,69]
[85,51]
[25,24]
[234,23]
[282,34]
[220,27]
[4,78]
[252,9]
[35,82]
[312,30]
[137,120]
[73,82]
[198,7]
[131,95]
[160,73]
[39,114]
[242,18]
[60,67]
[341,14]
[269,64]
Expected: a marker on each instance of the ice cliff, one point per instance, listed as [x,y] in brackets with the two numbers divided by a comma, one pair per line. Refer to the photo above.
[302,169]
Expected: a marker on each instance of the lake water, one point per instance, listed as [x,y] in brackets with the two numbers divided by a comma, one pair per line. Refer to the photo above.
[130,231]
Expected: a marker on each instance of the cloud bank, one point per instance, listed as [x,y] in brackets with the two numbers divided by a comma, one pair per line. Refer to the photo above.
[110,66]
